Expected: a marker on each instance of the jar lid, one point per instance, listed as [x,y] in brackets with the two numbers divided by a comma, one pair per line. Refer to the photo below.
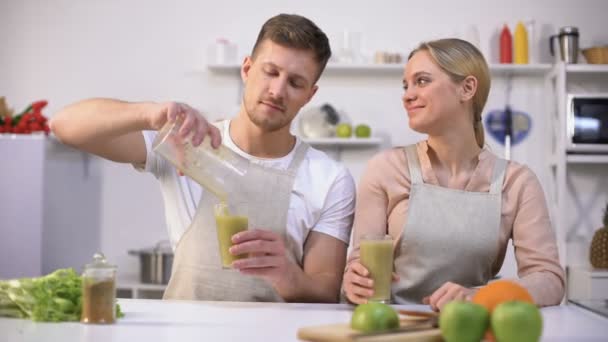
[99,262]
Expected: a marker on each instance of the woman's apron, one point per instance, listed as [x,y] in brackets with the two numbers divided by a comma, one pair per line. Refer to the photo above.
[450,235]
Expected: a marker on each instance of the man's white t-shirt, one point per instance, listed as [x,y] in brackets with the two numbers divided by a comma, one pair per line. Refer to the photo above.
[322,198]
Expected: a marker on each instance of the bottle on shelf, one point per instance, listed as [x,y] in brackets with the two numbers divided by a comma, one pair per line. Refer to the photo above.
[533,52]
[521,44]
[506,54]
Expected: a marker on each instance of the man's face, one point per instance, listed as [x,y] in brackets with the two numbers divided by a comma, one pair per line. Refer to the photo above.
[278,82]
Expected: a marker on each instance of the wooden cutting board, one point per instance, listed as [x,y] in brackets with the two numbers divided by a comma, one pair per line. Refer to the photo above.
[343,333]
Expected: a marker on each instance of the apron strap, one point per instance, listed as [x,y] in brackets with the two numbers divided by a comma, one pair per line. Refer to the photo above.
[498,176]
[413,164]
[222,126]
[298,157]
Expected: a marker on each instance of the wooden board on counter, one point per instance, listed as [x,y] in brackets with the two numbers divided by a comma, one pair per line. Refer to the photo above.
[343,333]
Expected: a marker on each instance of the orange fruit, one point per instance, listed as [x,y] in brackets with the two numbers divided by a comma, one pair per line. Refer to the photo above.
[501,291]
[498,292]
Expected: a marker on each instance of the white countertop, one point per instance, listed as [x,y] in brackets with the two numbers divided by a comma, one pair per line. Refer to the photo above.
[156,320]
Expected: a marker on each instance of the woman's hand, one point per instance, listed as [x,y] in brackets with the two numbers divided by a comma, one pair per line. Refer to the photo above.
[447,293]
[358,286]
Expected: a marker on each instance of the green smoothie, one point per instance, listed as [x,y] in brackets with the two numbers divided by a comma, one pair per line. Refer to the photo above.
[227,226]
[377,257]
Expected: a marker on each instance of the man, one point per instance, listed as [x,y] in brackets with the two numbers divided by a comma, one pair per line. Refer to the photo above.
[298,252]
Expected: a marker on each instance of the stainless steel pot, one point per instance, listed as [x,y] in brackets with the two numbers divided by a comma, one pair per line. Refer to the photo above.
[155,263]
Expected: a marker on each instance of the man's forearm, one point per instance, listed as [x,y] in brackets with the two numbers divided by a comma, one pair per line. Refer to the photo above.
[302,287]
[92,120]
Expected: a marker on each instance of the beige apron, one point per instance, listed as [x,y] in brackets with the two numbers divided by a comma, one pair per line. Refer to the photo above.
[450,235]
[197,273]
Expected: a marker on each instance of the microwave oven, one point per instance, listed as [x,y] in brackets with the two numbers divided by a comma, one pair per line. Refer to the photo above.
[587,123]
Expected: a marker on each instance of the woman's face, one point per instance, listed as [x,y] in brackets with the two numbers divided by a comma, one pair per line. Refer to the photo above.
[432,100]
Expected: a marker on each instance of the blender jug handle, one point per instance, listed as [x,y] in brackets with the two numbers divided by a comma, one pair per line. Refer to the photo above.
[551,43]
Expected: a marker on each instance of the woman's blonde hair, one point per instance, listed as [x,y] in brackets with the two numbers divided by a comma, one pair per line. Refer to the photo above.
[459,59]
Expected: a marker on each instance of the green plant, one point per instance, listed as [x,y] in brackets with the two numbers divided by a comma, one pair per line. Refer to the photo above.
[55,297]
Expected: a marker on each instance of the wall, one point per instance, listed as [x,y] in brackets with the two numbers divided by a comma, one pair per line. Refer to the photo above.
[66,50]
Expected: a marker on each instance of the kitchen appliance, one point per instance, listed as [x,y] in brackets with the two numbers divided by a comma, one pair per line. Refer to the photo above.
[566,42]
[319,122]
[155,263]
[587,123]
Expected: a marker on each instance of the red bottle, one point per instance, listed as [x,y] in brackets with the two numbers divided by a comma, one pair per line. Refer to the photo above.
[506,46]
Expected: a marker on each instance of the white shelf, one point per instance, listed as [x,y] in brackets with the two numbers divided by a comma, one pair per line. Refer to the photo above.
[397,69]
[330,67]
[224,68]
[587,158]
[586,68]
[344,142]
[358,69]
[31,136]
[520,69]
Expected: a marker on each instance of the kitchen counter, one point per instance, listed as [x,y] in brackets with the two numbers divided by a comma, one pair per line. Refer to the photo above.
[156,320]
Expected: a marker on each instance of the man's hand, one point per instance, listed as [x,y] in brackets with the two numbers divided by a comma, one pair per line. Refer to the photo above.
[267,255]
[447,293]
[192,122]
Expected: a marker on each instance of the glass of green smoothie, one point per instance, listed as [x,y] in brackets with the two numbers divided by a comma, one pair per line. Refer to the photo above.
[377,256]
[229,219]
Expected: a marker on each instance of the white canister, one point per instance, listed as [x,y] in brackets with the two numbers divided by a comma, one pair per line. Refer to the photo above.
[222,52]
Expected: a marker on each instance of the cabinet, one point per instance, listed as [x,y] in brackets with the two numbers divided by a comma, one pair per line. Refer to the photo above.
[49,212]
[130,287]
[585,283]
[578,183]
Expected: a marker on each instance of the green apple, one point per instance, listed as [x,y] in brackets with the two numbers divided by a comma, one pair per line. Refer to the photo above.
[363,131]
[374,316]
[517,321]
[461,321]
[344,130]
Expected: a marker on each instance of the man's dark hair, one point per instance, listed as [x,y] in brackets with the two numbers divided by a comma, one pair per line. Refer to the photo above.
[297,32]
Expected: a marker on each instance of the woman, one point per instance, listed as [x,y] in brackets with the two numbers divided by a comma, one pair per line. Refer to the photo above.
[451,205]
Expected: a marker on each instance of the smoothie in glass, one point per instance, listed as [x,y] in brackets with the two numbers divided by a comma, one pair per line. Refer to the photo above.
[377,257]
[229,221]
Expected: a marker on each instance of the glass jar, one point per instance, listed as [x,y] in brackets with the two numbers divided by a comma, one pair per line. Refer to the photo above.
[99,292]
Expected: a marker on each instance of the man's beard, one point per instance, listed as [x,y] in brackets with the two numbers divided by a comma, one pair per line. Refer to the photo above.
[266,124]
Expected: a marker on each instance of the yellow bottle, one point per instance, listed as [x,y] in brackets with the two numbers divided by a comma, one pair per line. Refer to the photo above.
[520,44]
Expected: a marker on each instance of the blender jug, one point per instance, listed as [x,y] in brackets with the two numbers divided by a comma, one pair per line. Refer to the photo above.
[567,44]
[219,170]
